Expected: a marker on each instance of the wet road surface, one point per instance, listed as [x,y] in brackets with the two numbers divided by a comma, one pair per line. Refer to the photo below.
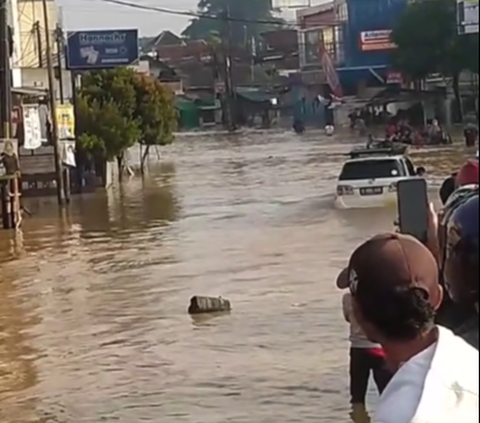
[93,323]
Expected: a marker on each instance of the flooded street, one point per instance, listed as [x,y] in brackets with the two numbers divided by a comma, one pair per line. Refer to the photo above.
[93,323]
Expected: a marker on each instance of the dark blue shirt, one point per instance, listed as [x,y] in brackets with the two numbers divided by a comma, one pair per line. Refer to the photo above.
[469,331]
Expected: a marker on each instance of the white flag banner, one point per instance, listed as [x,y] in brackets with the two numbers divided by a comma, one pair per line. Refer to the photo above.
[68,158]
[32,127]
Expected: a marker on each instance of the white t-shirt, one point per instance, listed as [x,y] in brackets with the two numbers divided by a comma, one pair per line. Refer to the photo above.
[439,385]
[357,338]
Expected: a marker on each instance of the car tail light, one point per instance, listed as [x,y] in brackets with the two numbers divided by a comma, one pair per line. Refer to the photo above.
[392,187]
[344,190]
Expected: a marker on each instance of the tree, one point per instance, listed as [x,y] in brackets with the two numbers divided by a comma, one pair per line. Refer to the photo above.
[428,42]
[155,112]
[104,130]
[118,108]
[249,18]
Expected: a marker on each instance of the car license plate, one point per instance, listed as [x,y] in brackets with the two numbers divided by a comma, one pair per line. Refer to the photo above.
[371,191]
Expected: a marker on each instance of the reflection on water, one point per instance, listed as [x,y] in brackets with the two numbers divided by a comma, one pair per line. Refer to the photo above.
[92,317]
[17,370]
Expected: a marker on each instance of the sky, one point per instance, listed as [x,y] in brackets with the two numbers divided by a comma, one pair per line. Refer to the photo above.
[96,14]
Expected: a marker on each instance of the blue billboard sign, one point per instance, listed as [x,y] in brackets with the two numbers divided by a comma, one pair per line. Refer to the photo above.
[105,49]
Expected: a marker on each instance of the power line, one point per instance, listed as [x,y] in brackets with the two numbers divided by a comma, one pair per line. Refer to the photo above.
[198,15]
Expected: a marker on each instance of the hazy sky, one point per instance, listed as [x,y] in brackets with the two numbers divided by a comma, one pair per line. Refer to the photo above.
[96,14]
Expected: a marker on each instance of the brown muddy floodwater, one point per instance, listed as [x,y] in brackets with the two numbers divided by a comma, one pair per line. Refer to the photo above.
[93,323]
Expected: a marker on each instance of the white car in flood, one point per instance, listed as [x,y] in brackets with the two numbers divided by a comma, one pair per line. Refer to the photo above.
[371,181]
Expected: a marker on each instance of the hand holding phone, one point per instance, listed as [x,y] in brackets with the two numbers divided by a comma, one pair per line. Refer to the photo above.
[413,208]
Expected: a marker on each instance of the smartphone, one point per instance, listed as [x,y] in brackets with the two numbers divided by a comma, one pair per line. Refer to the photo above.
[413,208]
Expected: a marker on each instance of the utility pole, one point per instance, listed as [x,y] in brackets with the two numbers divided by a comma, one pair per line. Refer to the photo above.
[53,107]
[60,45]
[227,70]
[5,73]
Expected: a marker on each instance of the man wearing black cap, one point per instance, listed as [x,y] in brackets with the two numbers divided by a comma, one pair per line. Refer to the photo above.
[394,284]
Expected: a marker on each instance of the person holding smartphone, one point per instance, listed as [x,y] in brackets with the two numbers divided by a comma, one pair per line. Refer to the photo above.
[394,285]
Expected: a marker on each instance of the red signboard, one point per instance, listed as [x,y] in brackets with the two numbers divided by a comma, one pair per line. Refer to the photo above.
[394,78]
[376,40]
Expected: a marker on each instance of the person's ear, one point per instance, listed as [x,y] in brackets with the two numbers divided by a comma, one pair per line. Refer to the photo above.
[437,297]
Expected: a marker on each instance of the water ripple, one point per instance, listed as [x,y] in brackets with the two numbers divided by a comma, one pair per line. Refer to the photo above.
[93,325]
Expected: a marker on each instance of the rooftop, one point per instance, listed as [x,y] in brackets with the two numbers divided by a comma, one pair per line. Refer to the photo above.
[313,10]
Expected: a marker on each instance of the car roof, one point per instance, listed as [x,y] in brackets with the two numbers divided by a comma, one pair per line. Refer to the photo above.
[375,158]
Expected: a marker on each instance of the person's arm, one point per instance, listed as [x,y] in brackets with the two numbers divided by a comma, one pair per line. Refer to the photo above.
[347,307]
[433,242]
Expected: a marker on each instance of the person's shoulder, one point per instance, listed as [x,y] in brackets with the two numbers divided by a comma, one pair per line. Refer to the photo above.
[455,342]
[408,394]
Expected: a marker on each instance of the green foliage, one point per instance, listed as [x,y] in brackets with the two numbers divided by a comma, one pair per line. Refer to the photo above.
[117,108]
[427,41]
[254,17]
[104,130]
[155,111]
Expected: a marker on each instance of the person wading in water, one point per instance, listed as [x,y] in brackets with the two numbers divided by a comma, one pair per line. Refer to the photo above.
[366,357]
[394,283]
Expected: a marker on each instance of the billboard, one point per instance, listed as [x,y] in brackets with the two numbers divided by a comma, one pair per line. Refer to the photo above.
[104,49]
[467,16]
[378,40]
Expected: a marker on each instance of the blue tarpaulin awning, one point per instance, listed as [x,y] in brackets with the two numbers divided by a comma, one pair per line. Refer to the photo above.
[352,75]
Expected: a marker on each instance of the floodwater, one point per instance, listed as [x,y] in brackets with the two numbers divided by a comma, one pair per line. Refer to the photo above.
[93,323]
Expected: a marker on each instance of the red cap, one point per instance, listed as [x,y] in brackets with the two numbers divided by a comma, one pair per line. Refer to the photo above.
[468,174]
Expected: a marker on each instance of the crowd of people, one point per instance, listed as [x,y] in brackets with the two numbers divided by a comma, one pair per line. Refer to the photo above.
[404,127]
[413,314]
[433,133]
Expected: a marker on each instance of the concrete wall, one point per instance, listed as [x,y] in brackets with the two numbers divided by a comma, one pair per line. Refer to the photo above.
[315,16]
[12,17]
[38,78]
[30,42]
[313,22]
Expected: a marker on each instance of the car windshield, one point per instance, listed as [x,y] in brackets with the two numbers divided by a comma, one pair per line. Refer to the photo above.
[371,169]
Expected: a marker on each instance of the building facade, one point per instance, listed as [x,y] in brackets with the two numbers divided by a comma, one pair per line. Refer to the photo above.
[366,27]
[356,36]
[29,60]
[316,30]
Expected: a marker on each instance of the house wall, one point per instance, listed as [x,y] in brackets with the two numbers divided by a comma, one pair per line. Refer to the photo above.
[38,78]
[31,42]
[12,19]
[26,18]
[314,16]
[321,26]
